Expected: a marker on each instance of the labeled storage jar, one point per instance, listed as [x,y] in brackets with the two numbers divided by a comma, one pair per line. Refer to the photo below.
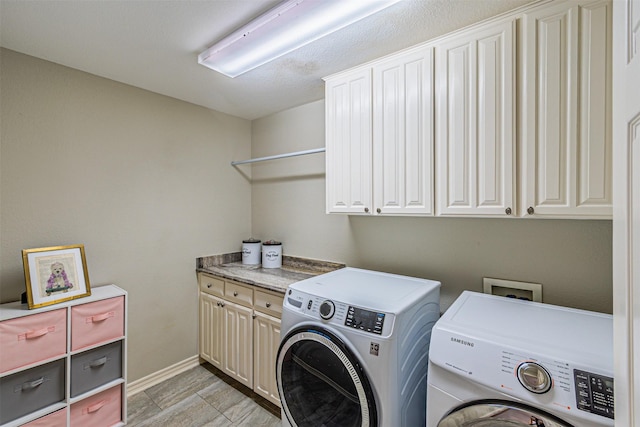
[251,251]
[271,254]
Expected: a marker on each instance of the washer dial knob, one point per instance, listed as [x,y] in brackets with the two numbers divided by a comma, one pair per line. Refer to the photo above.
[327,309]
[534,377]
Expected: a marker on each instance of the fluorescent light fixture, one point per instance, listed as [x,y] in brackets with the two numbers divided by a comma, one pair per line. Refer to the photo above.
[289,26]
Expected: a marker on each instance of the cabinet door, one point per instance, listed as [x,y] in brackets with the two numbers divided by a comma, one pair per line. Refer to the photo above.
[238,343]
[403,134]
[566,108]
[211,329]
[475,122]
[266,339]
[348,142]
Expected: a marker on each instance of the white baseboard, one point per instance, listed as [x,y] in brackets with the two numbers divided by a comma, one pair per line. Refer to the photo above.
[161,375]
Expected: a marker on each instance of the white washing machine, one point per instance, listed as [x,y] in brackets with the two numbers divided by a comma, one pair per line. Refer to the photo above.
[354,349]
[497,361]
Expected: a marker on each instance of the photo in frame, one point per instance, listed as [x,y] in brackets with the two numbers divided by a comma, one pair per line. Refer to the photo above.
[55,274]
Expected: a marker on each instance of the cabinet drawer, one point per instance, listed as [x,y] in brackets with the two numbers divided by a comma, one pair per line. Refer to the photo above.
[239,294]
[102,409]
[31,390]
[212,285]
[95,367]
[97,322]
[33,338]
[58,418]
[267,303]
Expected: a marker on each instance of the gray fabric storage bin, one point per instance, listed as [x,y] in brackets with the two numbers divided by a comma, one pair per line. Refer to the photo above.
[27,391]
[96,367]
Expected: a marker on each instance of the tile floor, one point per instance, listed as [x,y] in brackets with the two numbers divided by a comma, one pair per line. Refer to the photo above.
[202,396]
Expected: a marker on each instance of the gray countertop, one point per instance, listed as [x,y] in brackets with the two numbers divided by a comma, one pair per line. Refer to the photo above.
[229,266]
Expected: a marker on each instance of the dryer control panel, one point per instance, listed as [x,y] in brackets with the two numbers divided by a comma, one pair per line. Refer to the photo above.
[339,313]
[365,320]
[594,393]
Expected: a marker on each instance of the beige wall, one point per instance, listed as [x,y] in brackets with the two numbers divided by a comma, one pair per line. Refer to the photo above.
[142,180]
[571,258]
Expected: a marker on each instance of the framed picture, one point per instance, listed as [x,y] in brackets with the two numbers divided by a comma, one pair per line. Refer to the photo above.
[55,274]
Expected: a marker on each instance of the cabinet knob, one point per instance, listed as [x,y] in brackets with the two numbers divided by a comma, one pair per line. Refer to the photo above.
[507,211]
[268,304]
[221,304]
[253,316]
[366,210]
[218,303]
[208,285]
[235,293]
[379,210]
[530,210]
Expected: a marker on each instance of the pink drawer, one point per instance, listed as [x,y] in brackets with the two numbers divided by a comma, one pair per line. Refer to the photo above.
[97,322]
[56,419]
[29,339]
[101,410]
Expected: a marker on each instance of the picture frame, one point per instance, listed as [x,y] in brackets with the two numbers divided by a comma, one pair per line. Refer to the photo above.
[55,274]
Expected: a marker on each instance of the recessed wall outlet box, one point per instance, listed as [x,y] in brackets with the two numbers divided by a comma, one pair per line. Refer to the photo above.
[513,289]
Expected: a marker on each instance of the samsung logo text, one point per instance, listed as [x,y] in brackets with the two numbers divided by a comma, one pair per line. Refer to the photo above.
[462,342]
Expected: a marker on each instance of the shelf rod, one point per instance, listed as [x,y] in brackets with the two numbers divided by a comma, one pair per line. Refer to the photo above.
[279,156]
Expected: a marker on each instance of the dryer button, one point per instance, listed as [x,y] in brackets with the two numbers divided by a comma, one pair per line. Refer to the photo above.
[327,309]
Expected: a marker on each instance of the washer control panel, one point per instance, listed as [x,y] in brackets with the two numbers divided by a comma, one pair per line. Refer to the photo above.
[365,320]
[594,393]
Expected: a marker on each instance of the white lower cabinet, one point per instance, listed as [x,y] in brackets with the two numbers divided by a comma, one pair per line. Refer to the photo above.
[266,340]
[211,329]
[238,344]
[239,332]
[225,335]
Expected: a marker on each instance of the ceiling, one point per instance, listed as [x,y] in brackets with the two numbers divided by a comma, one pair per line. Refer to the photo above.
[154,44]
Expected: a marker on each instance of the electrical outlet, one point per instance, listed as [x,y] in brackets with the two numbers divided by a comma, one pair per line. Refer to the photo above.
[513,289]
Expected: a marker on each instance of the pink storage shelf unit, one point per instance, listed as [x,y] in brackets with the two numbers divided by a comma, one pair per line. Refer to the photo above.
[82,343]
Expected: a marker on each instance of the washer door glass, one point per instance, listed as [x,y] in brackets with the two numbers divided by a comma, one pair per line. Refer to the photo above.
[498,413]
[321,383]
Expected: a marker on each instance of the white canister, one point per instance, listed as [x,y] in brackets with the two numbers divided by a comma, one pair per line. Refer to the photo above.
[271,254]
[251,251]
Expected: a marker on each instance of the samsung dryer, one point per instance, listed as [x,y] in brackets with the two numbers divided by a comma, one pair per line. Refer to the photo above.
[354,349]
[497,361]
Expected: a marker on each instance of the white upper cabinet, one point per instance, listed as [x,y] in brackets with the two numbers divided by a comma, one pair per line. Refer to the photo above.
[507,118]
[475,122]
[348,142]
[403,134]
[379,136]
[566,111]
